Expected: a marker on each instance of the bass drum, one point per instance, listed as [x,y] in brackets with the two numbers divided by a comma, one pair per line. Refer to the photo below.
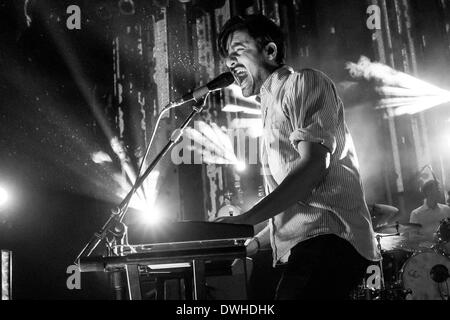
[425,276]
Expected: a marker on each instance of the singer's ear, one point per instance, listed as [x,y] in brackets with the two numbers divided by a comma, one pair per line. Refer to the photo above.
[271,51]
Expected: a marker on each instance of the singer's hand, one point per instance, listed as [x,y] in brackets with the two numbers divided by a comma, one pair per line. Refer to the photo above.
[252,247]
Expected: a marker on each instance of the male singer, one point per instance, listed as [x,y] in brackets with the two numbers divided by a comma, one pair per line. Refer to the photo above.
[319,225]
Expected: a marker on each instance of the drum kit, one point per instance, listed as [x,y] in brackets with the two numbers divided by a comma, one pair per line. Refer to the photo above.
[411,267]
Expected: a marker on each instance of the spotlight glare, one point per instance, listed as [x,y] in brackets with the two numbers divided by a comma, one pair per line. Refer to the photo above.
[240,166]
[212,144]
[401,92]
[151,217]
[100,157]
[236,92]
[4,196]
[234,108]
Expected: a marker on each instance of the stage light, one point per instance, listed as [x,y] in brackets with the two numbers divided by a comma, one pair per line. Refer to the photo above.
[211,143]
[144,199]
[240,166]
[400,92]
[151,216]
[236,92]
[233,108]
[214,145]
[100,157]
[4,196]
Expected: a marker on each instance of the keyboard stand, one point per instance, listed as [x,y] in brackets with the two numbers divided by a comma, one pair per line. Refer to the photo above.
[186,263]
[197,278]
[198,271]
[133,282]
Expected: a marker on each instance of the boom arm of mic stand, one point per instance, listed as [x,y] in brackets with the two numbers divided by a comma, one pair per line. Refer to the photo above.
[121,210]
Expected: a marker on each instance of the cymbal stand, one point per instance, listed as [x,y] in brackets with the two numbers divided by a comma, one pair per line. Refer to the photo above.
[380,250]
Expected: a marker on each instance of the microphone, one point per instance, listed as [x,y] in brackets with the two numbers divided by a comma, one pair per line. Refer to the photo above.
[220,82]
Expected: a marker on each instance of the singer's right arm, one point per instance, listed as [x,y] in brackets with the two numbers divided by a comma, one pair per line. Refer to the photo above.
[261,240]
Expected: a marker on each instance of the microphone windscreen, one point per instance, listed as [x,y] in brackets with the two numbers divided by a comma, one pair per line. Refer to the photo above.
[224,80]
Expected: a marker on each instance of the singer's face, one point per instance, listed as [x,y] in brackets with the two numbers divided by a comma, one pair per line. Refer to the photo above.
[247,62]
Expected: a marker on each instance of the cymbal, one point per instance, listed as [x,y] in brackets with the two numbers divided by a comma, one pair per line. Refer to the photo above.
[383,209]
[382,214]
[228,211]
[398,228]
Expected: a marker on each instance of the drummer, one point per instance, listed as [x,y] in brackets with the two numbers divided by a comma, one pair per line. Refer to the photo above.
[431,213]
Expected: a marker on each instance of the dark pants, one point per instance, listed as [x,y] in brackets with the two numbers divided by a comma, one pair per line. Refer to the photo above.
[323,268]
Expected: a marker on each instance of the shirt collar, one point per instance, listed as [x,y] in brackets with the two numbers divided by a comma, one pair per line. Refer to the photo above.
[275,80]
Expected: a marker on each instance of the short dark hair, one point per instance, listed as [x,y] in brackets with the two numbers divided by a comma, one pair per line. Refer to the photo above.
[259,27]
[429,186]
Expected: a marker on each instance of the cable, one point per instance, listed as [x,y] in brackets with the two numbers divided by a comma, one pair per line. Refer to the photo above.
[196,109]
[155,128]
[166,108]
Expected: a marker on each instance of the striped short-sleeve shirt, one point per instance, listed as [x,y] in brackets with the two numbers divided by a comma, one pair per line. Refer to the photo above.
[304,106]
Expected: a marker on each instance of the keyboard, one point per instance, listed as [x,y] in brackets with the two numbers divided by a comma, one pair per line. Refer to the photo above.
[186,231]
[174,243]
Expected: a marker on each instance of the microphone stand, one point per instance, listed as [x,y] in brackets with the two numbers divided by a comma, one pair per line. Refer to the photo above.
[117,215]
[380,249]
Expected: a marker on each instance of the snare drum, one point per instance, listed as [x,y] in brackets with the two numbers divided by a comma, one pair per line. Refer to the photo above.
[425,276]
